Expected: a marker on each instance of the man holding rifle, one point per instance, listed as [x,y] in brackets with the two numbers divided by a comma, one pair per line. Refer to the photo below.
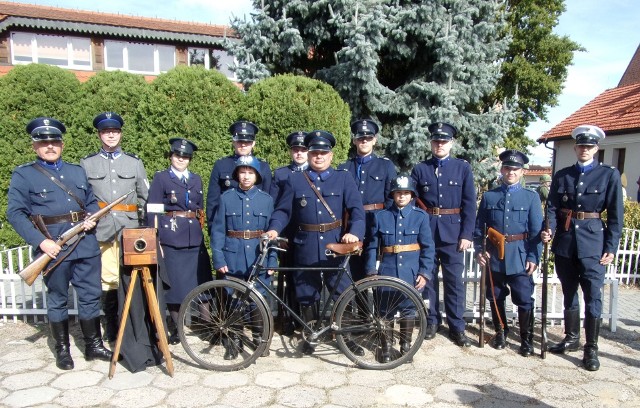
[583,244]
[513,217]
[46,198]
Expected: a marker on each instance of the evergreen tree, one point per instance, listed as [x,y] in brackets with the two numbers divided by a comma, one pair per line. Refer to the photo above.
[404,63]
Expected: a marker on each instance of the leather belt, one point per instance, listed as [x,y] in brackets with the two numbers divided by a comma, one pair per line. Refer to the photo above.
[320,227]
[442,211]
[245,234]
[76,216]
[515,237]
[395,249]
[120,207]
[372,207]
[184,214]
[579,215]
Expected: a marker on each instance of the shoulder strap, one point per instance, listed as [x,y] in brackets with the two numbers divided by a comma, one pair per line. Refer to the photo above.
[60,184]
[315,190]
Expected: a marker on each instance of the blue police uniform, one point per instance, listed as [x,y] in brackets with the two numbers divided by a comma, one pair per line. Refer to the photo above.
[221,178]
[446,187]
[179,231]
[516,213]
[32,193]
[577,197]
[241,213]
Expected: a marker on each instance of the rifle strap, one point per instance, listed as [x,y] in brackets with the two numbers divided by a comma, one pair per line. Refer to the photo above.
[315,190]
[493,296]
[59,184]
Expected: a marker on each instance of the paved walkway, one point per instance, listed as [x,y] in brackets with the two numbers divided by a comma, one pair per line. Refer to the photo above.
[441,375]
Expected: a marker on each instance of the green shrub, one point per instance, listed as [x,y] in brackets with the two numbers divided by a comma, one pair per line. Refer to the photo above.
[285,103]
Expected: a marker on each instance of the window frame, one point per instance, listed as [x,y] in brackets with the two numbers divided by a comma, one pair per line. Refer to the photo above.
[126,60]
[71,55]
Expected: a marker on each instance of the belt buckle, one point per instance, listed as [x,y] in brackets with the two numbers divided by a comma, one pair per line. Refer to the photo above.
[74,217]
[396,249]
[580,215]
[322,228]
[245,234]
[435,211]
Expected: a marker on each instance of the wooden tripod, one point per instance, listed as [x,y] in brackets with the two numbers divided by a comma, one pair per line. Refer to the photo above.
[154,313]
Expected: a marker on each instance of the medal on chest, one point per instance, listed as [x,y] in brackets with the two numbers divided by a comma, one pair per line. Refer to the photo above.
[303,202]
[565,198]
[172,197]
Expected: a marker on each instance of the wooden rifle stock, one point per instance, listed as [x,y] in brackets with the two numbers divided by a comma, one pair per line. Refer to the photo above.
[545,283]
[483,290]
[31,271]
[421,205]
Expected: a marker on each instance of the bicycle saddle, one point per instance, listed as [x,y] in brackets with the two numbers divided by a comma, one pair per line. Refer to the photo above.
[345,249]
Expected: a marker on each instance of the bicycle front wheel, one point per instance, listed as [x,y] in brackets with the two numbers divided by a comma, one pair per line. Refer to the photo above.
[225,325]
[381,322]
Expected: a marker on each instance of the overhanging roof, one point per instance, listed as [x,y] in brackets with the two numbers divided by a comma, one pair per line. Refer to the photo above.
[125,32]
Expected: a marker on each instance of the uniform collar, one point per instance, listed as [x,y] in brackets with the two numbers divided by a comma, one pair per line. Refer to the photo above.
[585,168]
[403,212]
[301,167]
[111,155]
[57,165]
[511,188]
[364,159]
[179,174]
[249,193]
[323,176]
[439,162]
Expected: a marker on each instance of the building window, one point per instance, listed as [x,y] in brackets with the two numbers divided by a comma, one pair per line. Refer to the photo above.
[140,58]
[619,158]
[58,50]
[212,59]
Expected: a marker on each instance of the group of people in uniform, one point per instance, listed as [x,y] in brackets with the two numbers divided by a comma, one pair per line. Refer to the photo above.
[413,226]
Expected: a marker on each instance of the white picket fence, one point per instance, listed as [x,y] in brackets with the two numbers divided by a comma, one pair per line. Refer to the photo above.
[29,303]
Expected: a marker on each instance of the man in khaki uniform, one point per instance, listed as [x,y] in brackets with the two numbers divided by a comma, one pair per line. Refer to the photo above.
[112,173]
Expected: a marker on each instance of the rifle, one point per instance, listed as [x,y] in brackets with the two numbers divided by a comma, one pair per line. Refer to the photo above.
[31,271]
[545,283]
[483,289]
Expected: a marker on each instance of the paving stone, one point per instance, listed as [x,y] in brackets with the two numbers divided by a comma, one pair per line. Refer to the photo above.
[353,396]
[277,379]
[124,380]
[139,397]
[405,395]
[458,393]
[322,380]
[180,379]
[225,380]
[249,396]
[196,396]
[75,379]
[27,380]
[20,366]
[301,396]
[85,396]
[30,397]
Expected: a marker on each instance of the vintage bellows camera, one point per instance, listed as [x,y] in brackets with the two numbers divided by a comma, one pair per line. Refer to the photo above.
[139,246]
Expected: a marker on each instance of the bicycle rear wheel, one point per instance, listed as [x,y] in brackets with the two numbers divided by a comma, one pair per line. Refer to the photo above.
[225,325]
[382,316]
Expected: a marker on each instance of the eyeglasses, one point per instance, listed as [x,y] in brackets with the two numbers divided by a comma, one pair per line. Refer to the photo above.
[365,138]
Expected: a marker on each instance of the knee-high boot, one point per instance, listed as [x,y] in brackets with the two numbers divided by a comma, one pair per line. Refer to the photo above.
[93,347]
[526,332]
[309,313]
[499,339]
[257,326]
[60,333]
[109,300]
[406,332]
[571,341]
[592,331]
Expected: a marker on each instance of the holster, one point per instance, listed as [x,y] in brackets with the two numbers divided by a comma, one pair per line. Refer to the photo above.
[497,239]
[201,217]
[38,222]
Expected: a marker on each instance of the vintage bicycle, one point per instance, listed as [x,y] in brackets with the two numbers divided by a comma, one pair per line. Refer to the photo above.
[226,324]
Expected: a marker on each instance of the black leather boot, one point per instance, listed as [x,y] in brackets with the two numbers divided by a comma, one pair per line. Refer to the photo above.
[406,332]
[60,333]
[592,331]
[571,341]
[109,299]
[233,343]
[309,313]
[526,333]
[498,341]
[93,347]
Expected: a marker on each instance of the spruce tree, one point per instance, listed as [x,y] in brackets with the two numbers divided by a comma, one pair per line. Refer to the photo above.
[403,63]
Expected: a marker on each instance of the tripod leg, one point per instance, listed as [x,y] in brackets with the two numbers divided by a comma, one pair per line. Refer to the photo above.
[123,322]
[156,318]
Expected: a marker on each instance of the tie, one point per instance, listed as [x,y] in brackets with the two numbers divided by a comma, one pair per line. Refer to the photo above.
[184,180]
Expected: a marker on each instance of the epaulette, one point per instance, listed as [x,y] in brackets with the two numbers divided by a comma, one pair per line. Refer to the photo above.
[91,155]
[384,158]
[342,170]
[462,160]
[27,164]
[420,210]
[135,156]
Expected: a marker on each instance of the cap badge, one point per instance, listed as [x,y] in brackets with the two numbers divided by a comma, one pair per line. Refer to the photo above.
[403,182]
[108,115]
[46,122]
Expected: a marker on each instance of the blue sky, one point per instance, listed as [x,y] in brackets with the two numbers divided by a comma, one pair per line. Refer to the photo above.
[608,30]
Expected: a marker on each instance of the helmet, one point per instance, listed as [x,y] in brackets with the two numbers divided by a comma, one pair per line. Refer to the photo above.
[248,161]
[403,183]
[545,177]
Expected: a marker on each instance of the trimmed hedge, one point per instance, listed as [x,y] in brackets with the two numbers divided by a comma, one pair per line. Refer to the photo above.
[188,102]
